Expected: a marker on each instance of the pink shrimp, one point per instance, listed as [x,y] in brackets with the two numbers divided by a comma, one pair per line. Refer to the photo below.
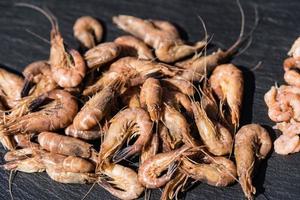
[286,144]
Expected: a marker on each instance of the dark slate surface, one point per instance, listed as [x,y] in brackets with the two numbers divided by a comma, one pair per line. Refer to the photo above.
[278,177]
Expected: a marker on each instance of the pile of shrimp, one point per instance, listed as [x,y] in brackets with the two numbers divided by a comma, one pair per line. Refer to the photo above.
[283,104]
[145,111]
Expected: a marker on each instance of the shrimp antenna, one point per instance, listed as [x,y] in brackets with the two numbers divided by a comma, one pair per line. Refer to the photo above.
[49,16]
[89,191]
[37,36]
[10,184]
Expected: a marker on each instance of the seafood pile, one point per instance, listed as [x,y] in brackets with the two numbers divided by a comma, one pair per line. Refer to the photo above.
[145,111]
[283,104]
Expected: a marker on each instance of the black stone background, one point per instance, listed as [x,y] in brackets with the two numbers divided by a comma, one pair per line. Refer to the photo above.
[278,177]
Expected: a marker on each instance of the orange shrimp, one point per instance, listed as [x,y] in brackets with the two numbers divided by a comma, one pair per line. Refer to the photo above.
[178,84]
[92,134]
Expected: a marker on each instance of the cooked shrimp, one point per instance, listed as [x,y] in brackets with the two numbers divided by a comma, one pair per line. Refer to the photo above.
[27,165]
[58,114]
[88,31]
[65,145]
[251,142]
[286,144]
[228,84]
[102,54]
[290,128]
[131,97]
[169,47]
[126,124]
[122,182]
[177,125]
[97,107]
[92,134]
[169,142]
[24,141]
[132,46]
[186,87]
[292,77]
[217,138]
[209,103]
[174,186]
[150,172]
[150,149]
[151,98]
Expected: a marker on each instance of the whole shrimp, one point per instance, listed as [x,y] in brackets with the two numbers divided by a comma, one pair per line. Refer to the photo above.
[27,165]
[97,107]
[169,47]
[150,172]
[66,145]
[67,65]
[215,171]
[101,54]
[132,46]
[228,84]
[93,134]
[56,115]
[217,138]
[126,124]
[252,142]
[287,144]
[178,84]
[88,31]
[122,182]
[151,98]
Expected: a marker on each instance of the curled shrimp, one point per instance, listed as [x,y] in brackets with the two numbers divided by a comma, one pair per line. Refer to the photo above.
[217,138]
[169,47]
[10,87]
[97,107]
[286,144]
[251,142]
[185,87]
[150,172]
[58,114]
[132,46]
[101,54]
[215,171]
[151,98]
[65,145]
[126,124]
[92,134]
[228,84]
[122,182]
[88,31]
[67,65]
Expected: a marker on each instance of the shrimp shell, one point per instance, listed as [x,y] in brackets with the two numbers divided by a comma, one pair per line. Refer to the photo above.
[93,134]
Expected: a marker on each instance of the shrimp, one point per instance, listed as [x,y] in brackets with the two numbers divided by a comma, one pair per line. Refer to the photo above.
[150,172]
[101,54]
[131,98]
[65,145]
[67,65]
[24,141]
[132,46]
[209,103]
[126,124]
[122,182]
[151,98]
[185,87]
[292,77]
[177,125]
[97,107]
[92,134]
[150,149]
[169,47]
[290,128]
[217,138]
[88,31]
[6,141]
[173,187]
[169,142]
[286,144]
[251,142]
[10,87]
[215,171]
[27,165]
[228,84]
[21,154]
[58,114]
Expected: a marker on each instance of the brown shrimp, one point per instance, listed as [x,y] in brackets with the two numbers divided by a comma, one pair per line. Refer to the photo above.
[101,54]
[177,125]
[24,141]
[168,46]
[132,46]
[27,165]
[131,97]
[67,65]
[217,138]
[228,84]
[251,142]
[150,149]
[215,171]
[151,98]
[169,142]
[20,154]
[287,144]
[97,107]
[150,172]
[11,86]
[92,134]
[88,31]
[185,87]
[126,124]
[174,186]
[65,145]
[122,182]
[58,114]
[209,103]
